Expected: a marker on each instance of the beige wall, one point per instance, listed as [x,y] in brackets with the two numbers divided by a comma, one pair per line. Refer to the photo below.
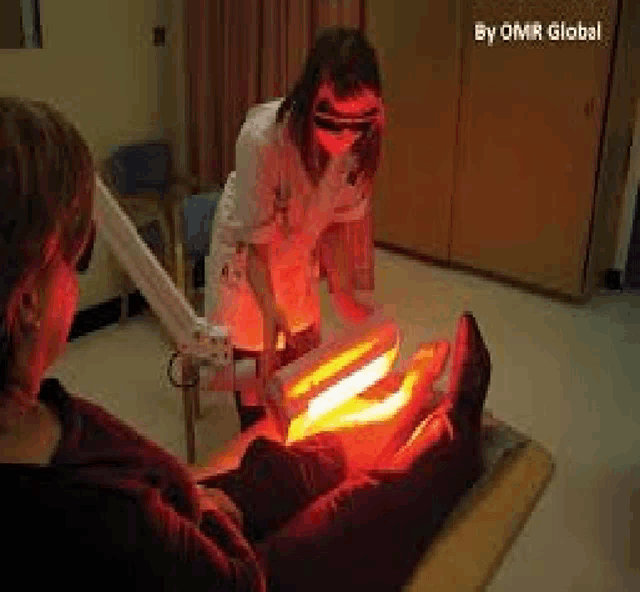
[99,66]
[173,90]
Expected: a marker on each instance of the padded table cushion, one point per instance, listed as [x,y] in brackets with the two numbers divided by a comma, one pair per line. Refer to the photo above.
[476,537]
[479,532]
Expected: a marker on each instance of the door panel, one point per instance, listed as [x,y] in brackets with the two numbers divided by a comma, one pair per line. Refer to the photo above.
[531,122]
[416,42]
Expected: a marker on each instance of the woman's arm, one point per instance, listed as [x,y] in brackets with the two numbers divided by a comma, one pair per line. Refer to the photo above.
[347,270]
[340,277]
[274,318]
[258,171]
[259,278]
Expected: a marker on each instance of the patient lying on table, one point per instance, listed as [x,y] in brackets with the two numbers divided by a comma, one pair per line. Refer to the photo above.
[354,507]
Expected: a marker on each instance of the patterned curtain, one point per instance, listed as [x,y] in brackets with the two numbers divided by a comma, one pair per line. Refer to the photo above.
[242,52]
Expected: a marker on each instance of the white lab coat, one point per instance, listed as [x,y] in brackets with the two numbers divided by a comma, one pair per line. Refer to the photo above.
[269,179]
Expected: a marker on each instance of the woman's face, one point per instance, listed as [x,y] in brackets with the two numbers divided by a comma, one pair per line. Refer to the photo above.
[338,123]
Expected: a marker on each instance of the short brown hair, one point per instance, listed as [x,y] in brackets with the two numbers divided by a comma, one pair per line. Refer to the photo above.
[47,177]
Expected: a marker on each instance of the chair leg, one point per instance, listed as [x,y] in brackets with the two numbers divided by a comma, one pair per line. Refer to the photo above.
[189,284]
[124,306]
[174,215]
[196,402]
[189,394]
[180,273]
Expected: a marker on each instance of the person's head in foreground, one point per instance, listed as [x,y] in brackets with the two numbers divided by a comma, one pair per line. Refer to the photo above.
[46,234]
[336,105]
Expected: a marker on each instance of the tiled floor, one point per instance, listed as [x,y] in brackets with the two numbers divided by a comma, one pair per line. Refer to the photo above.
[567,375]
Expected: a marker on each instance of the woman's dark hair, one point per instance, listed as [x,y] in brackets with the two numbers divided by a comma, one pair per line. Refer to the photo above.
[343,57]
[47,176]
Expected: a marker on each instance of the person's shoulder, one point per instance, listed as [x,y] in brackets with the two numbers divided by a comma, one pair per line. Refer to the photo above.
[263,115]
[72,407]
[260,126]
[89,429]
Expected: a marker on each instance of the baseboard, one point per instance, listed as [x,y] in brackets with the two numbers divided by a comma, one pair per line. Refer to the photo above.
[104,314]
[486,274]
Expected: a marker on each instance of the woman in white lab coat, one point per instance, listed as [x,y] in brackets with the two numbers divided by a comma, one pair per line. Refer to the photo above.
[304,173]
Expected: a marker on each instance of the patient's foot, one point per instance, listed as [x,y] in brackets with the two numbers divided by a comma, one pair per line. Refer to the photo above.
[458,416]
[427,365]
[373,444]
[470,375]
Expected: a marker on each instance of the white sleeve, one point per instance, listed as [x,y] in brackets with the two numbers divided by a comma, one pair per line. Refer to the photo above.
[257,178]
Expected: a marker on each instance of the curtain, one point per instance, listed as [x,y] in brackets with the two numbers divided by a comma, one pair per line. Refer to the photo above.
[242,52]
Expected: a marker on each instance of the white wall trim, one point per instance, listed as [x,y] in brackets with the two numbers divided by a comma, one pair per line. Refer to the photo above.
[629,199]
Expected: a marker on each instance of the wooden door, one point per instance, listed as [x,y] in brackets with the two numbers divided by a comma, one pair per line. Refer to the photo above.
[532,114]
[416,41]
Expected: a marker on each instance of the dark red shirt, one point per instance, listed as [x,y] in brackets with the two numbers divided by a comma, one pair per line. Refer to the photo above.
[115,511]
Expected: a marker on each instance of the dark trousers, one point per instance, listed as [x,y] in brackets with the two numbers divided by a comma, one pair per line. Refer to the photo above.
[318,528]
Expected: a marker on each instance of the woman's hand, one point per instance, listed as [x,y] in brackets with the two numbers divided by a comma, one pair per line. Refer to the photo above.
[275,322]
[259,278]
[351,309]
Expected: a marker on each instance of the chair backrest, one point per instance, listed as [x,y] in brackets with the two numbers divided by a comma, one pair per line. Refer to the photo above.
[198,213]
[140,168]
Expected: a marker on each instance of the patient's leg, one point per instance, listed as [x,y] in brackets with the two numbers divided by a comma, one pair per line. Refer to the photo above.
[274,482]
[373,445]
[460,413]
[271,482]
[370,531]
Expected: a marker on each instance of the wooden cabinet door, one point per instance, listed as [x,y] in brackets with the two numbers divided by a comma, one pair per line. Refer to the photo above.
[416,42]
[532,114]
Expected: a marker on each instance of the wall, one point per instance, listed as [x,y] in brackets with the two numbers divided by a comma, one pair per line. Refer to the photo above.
[173,87]
[99,66]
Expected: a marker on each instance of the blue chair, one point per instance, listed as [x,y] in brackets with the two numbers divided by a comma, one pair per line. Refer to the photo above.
[142,168]
[198,212]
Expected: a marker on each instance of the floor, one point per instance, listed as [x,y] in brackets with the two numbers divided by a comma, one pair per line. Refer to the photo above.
[568,375]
